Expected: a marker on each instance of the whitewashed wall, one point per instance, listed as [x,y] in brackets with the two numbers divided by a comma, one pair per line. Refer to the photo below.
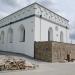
[50,19]
[26,47]
[45,25]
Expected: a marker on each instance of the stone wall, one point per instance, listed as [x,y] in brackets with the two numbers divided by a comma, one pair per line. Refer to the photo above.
[54,51]
[61,50]
[43,51]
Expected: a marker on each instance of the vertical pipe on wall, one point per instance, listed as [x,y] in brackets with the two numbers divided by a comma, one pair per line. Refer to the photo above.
[40,21]
[40,27]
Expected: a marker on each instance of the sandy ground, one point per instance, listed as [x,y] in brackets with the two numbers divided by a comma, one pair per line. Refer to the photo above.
[45,69]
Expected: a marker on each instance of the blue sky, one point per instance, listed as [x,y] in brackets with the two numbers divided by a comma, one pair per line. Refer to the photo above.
[65,8]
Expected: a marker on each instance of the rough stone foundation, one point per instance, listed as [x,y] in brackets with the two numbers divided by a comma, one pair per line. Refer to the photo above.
[54,51]
[43,51]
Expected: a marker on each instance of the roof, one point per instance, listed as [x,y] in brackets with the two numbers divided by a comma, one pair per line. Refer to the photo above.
[51,11]
[37,4]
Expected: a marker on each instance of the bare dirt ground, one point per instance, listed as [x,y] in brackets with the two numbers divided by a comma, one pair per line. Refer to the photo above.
[44,68]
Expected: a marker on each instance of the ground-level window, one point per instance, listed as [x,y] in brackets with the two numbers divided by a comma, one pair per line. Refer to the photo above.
[10,35]
[50,34]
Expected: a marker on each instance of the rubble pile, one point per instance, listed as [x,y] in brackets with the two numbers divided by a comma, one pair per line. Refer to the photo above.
[15,64]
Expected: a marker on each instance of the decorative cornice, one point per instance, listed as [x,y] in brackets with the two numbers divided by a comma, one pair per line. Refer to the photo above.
[17,21]
[50,11]
[40,16]
[30,17]
[52,21]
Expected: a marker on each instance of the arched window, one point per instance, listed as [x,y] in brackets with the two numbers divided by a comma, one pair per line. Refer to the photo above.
[2,36]
[10,35]
[21,33]
[50,34]
[61,36]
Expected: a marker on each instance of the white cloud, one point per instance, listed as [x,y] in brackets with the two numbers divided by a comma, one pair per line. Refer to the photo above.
[11,2]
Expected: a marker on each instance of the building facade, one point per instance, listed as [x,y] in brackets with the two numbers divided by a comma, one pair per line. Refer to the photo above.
[20,30]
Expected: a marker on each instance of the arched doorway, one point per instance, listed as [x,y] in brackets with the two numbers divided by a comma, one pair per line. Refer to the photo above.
[68,57]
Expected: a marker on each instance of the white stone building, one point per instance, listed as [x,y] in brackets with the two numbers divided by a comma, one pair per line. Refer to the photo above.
[19,30]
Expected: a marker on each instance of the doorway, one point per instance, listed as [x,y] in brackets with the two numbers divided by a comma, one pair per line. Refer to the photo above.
[68,57]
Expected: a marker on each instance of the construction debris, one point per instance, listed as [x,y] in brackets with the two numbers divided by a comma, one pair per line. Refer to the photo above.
[15,64]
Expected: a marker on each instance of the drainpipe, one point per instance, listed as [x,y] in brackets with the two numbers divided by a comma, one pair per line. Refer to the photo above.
[40,26]
[40,21]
